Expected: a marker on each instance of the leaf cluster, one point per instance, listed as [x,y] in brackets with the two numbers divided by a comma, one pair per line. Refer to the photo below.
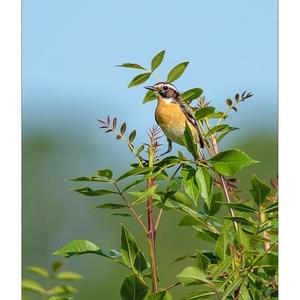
[53,284]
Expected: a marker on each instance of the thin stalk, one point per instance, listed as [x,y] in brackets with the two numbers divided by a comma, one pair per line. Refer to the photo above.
[161,210]
[151,228]
[266,235]
[134,213]
[224,184]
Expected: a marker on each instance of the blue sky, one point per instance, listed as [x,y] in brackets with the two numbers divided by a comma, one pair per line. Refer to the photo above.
[70,49]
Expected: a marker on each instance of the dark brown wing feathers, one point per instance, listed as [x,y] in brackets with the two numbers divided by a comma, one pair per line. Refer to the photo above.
[192,119]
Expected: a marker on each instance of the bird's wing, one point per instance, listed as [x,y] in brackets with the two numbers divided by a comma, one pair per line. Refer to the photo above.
[190,116]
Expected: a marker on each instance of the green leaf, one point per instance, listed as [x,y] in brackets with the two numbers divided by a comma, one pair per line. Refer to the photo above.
[240,207]
[90,179]
[232,287]
[192,275]
[33,286]
[131,65]
[222,243]
[241,220]
[156,60]
[39,271]
[132,184]
[189,141]
[177,71]
[216,128]
[130,253]
[225,132]
[191,94]
[272,208]
[67,275]
[183,198]
[56,265]
[204,112]
[133,288]
[222,267]
[121,215]
[205,184]
[189,182]
[136,171]
[87,191]
[107,173]
[206,235]
[142,196]
[215,205]
[162,295]
[241,238]
[228,162]
[259,190]
[79,247]
[140,263]
[202,261]
[199,295]
[62,290]
[149,96]
[111,206]
[139,79]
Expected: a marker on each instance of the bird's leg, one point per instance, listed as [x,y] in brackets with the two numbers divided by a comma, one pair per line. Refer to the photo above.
[169,148]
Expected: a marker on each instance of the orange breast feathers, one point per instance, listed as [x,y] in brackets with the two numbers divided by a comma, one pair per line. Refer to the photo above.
[172,121]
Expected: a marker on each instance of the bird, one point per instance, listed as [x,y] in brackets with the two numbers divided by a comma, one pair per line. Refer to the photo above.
[172,115]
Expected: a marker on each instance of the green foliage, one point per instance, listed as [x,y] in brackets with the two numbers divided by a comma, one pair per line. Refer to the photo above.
[228,162]
[239,259]
[177,71]
[52,284]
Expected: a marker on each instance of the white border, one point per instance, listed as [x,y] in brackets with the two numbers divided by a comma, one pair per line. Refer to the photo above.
[289,149]
[10,156]
[10,129]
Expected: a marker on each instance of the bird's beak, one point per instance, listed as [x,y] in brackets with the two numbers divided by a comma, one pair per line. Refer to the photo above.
[151,88]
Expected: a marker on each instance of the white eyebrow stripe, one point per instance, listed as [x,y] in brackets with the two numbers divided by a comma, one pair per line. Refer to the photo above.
[169,85]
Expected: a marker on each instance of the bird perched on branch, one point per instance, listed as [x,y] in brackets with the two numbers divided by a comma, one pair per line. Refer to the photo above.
[172,115]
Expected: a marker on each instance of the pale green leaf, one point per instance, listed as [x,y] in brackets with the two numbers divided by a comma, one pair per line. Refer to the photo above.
[33,286]
[190,95]
[177,71]
[87,191]
[222,243]
[149,96]
[61,289]
[131,65]
[39,271]
[228,162]
[189,182]
[189,141]
[202,261]
[139,79]
[205,184]
[259,190]
[204,112]
[192,275]
[157,60]
[79,247]
[67,275]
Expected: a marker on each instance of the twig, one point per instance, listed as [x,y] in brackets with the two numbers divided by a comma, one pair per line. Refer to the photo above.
[224,184]
[172,285]
[161,210]
[151,229]
[134,213]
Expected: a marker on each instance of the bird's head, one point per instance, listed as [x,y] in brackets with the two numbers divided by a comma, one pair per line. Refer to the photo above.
[164,90]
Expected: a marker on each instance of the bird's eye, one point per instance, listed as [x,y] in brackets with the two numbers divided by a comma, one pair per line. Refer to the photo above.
[165,87]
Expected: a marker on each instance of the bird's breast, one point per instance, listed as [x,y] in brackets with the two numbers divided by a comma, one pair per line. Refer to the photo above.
[172,121]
